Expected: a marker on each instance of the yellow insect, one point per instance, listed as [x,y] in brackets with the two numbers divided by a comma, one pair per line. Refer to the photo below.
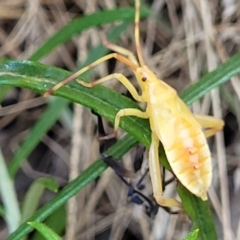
[180,132]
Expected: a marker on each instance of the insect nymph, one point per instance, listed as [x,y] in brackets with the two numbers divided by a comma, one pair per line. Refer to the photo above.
[171,122]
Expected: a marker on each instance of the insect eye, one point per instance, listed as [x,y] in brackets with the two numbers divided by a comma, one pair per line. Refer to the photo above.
[144,79]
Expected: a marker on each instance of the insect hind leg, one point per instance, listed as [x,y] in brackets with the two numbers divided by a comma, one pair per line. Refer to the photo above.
[155,174]
[211,124]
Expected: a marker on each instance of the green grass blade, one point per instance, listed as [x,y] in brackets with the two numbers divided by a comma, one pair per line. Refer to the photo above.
[34,194]
[51,115]
[2,211]
[56,221]
[199,212]
[8,195]
[36,133]
[212,80]
[4,90]
[192,235]
[40,78]
[47,232]
[106,102]
[78,25]
[87,176]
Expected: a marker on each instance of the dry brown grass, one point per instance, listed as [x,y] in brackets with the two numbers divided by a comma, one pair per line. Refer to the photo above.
[181,41]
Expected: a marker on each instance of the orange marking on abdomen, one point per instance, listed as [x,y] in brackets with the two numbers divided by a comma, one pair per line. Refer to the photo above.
[189,155]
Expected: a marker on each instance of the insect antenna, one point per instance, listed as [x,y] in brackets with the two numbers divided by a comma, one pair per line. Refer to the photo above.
[137,38]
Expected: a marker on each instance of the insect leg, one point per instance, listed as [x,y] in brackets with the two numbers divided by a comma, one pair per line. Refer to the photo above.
[122,113]
[212,124]
[85,69]
[155,173]
[121,78]
[135,195]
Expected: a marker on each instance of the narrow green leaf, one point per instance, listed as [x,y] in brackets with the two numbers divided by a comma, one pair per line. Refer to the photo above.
[34,194]
[2,211]
[3,91]
[212,80]
[9,197]
[87,176]
[40,78]
[49,183]
[47,232]
[199,212]
[78,25]
[109,110]
[192,235]
[56,221]
[106,102]
[36,134]
[53,111]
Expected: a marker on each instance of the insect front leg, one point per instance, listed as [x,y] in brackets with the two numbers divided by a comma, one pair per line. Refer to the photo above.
[122,113]
[212,124]
[155,174]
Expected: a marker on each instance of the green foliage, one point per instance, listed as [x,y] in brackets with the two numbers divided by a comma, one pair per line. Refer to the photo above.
[36,134]
[34,194]
[21,73]
[2,211]
[56,221]
[80,24]
[58,105]
[39,78]
[199,212]
[47,232]
[192,235]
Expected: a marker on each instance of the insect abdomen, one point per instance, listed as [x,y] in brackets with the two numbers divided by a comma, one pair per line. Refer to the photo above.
[190,160]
